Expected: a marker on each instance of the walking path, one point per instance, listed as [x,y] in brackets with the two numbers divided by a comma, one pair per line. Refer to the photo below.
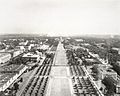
[59,83]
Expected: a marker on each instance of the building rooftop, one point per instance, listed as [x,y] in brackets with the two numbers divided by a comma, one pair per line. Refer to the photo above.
[30,55]
[106,70]
[91,60]
[3,54]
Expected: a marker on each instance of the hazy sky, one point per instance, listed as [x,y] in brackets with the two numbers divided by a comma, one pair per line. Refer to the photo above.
[60,17]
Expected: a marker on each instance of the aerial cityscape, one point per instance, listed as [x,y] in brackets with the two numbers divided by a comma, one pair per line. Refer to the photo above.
[59,47]
[32,65]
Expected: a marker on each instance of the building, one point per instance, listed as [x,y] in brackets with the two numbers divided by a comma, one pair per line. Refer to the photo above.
[100,45]
[4,57]
[94,55]
[14,53]
[31,57]
[3,50]
[80,61]
[7,79]
[105,70]
[117,49]
[39,53]
[79,40]
[24,43]
[75,47]
[20,48]
[44,47]
[118,85]
[85,44]
[91,61]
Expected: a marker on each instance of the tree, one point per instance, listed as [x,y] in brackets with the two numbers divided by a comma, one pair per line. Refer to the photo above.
[2,93]
[95,69]
[109,83]
[21,79]
[16,86]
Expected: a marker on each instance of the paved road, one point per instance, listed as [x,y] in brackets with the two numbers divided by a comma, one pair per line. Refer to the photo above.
[59,83]
[60,87]
[59,71]
[60,56]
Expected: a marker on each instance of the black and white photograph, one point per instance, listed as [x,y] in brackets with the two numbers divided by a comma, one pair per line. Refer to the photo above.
[59,47]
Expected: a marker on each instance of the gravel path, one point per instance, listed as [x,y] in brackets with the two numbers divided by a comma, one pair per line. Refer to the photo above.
[59,83]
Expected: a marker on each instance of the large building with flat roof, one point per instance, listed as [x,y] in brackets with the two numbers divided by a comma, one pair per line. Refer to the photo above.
[4,57]
[104,70]
[31,57]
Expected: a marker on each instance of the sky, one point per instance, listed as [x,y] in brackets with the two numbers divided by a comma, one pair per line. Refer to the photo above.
[60,17]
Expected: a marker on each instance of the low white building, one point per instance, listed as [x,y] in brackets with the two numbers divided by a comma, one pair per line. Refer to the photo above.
[32,45]
[27,48]
[39,53]
[94,55]
[79,40]
[14,53]
[20,48]
[44,47]
[24,43]
[4,57]
[105,70]
[31,57]
[85,44]
[117,49]
[118,85]
[3,50]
